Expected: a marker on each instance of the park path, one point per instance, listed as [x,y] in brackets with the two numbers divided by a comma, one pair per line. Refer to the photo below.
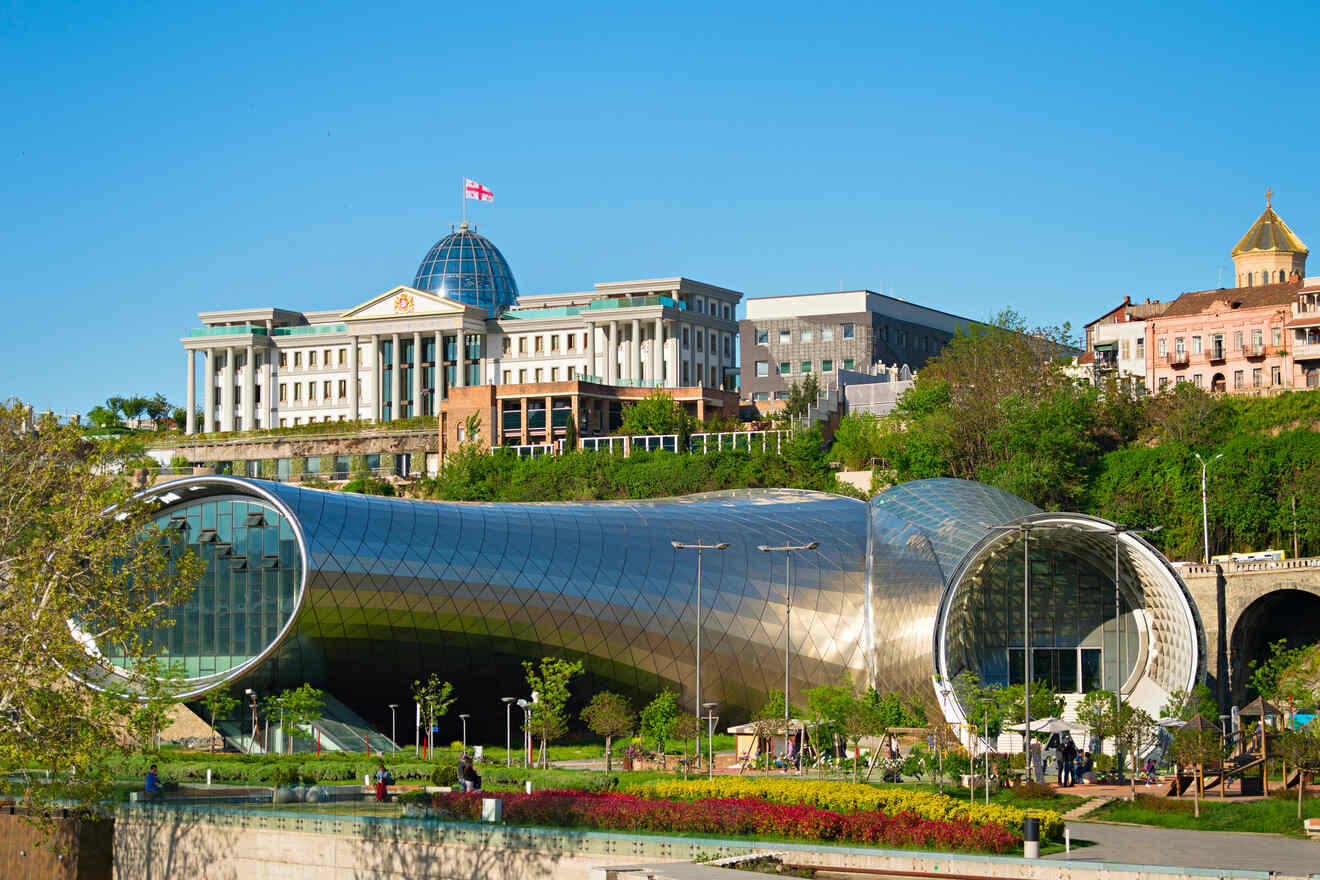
[1139,845]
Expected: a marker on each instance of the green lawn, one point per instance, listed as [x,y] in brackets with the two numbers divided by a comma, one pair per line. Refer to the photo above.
[1270,815]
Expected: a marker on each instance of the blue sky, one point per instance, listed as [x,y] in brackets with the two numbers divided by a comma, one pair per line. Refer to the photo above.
[161,160]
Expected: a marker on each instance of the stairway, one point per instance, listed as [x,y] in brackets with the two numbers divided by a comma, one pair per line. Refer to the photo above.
[1087,807]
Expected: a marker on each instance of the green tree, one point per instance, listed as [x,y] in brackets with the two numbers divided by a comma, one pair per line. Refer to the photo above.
[1183,705]
[472,429]
[218,703]
[657,413]
[1096,711]
[829,707]
[1194,747]
[658,719]
[72,578]
[156,408]
[687,728]
[609,715]
[550,683]
[1301,749]
[1134,735]
[857,440]
[103,417]
[435,696]
[155,699]
[295,708]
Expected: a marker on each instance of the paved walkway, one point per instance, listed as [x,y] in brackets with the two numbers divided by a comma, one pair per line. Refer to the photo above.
[1194,849]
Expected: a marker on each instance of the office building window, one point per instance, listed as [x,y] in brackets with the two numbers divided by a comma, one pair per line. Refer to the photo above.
[785,368]
[826,334]
[762,337]
[827,366]
[762,368]
[806,367]
[785,337]
[847,363]
[761,395]
[781,395]
[804,336]
[847,331]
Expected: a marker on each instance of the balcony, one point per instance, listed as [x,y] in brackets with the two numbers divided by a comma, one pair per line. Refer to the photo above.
[1254,350]
[1217,355]
[1303,351]
[1178,359]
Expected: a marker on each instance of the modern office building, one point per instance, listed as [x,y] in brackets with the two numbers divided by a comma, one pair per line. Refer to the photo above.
[784,339]
[460,324]
[360,595]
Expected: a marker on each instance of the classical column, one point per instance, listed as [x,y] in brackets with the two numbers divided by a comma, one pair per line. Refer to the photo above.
[522,424]
[396,367]
[353,379]
[249,388]
[268,389]
[437,359]
[208,391]
[462,359]
[574,414]
[591,350]
[658,353]
[227,392]
[417,374]
[190,420]
[377,378]
[667,358]
[612,356]
[636,351]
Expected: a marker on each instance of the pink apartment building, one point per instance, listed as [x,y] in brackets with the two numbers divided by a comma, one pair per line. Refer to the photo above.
[1260,337]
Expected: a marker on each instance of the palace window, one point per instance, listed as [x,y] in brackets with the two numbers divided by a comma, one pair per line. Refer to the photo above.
[325,390]
[283,393]
[284,359]
[539,344]
[508,345]
[297,358]
[311,358]
[522,345]
[343,388]
[554,374]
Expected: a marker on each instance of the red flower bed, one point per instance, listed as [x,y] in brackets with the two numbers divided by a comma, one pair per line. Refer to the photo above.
[624,812]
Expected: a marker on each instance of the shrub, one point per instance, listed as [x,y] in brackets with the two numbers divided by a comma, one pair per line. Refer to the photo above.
[444,774]
[741,816]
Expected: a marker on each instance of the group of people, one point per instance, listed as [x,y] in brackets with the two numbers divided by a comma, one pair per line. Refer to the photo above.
[467,777]
[1073,764]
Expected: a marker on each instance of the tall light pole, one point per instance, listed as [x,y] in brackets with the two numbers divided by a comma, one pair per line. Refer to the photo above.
[1120,651]
[508,731]
[393,729]
[1205,519]
[788,550]
[679,545]
[252,744]
[985,719]
[710,738]
[465,717]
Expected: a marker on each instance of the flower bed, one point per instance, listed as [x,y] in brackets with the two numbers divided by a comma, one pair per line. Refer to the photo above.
[846,797]
[736,816]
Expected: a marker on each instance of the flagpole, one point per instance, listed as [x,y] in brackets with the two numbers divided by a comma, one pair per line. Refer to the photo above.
[462,197]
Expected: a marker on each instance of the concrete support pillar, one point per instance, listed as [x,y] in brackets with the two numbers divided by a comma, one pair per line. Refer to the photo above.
[612,356]
[249,388]
[522,422]
[396,367]
[417,375]
[208,391]
[636,350]
[461,379]
[549,420]
[353,379]
[227,392]
[591,350]
[190,420]
[575,414]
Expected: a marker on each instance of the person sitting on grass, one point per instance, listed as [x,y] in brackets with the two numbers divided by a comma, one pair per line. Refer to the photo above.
[152,789]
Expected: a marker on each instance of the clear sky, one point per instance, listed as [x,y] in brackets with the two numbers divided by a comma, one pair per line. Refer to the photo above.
[160,160]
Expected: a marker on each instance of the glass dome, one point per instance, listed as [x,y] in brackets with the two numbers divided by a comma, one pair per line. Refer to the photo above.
[465,266]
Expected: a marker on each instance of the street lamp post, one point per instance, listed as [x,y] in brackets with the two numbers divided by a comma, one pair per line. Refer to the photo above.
[1205,519]
[1120,653]
[508,731]
[788,550]
[252,743]
[679,545]
[710,738]
[394,730]
[526,706]
[465,717]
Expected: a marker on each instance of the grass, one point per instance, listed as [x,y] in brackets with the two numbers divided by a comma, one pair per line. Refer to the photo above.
[1271,815]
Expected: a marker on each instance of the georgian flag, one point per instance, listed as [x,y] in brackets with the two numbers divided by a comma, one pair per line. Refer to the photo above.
[474,190]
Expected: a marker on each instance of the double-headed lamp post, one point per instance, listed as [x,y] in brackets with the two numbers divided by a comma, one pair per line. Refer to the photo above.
[1205,519]
[710,738]
[788,550]
[699,546]
[252,696]
[393,729]
[465,717]
[1120,665]
[508,731]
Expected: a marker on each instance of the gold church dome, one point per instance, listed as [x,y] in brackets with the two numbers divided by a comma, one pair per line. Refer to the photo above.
[1270,233]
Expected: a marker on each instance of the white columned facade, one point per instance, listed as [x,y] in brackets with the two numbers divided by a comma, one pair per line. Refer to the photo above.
[227,391]
[208,391]
[377,378]
[267,384]
[636,351]
[658,353]
[461,366]
[353,378]
[591,350]
[190,420]
[612,357]
[417,374]
[249,387]
[667,354]
[396,367]
[438,362]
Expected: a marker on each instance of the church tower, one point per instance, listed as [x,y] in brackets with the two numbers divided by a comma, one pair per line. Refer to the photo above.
[1269,253]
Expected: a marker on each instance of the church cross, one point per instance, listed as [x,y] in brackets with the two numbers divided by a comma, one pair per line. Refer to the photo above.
[1267,196]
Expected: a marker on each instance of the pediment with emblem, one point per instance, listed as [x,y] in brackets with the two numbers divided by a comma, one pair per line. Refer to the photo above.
[405,302]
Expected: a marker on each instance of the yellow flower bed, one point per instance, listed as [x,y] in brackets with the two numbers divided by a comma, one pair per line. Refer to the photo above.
[847,797]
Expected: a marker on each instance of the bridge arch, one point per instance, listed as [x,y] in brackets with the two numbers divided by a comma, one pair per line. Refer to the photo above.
[1290,615]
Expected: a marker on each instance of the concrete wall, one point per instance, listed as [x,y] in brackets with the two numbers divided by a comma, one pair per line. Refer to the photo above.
[74,850]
